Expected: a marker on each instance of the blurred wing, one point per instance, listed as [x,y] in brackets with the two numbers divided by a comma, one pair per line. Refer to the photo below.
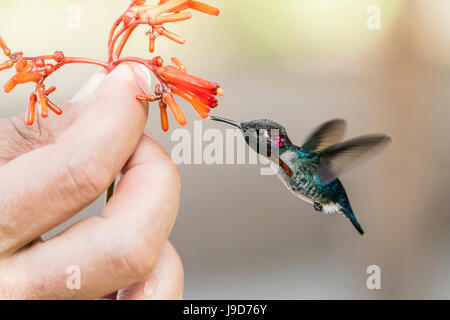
[337,159]
[326,135]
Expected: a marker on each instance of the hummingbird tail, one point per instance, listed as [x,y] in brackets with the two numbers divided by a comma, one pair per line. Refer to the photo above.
[349,213]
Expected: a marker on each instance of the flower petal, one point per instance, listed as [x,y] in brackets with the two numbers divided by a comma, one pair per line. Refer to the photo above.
[208,99]
[201,108]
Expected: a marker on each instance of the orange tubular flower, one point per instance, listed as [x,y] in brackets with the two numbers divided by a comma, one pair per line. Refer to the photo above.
[170,35]
[171,18]
[151,46]
[167,11]
[50,90]
[26,72]
[201,108]
[21,78]
[203,7]
[43,106]
[164,118]
[196,5]
[53,107]
[31,109]
[40,95]
[177,113]
[178,63]
[183,79]
[6,65]
[198,92]
[202,89]
[4,47]
[173,80]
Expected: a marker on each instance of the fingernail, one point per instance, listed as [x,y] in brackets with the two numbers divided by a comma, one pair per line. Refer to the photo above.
[150,288]
[89,87]
[143,77]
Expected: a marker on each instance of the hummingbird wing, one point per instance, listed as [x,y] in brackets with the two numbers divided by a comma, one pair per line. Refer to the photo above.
[326,135]
[339,158]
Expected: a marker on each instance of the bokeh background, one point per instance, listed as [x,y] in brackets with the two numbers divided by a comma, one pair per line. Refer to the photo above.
[299,62]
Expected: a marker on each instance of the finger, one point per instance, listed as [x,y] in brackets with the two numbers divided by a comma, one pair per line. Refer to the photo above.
[165,282]
[113,251]
[47,186]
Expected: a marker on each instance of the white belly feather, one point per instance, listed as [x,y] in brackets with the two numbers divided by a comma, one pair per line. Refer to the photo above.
[289,158]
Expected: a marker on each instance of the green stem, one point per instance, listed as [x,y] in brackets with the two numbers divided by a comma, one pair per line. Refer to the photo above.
[110,191]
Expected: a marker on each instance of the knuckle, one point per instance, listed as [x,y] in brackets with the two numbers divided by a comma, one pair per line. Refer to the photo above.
[135,261]
[140,249]
[168,171]
[36,133]
[171,173]
[168,180]
[22,136]
[87,175]
[162,163]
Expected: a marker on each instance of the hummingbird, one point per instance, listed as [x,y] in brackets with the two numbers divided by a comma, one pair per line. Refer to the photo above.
[311,171]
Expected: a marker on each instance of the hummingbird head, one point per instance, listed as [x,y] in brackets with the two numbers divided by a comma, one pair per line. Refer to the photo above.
[261,131]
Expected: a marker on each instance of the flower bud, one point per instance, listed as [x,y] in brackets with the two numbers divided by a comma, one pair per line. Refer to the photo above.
[157,61]
[58,56]
[31,109]
[6,65]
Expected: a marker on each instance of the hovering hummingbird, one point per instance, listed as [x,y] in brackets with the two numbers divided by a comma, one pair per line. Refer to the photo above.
[311,171]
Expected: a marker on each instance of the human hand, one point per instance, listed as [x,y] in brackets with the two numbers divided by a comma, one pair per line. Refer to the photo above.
[53,169]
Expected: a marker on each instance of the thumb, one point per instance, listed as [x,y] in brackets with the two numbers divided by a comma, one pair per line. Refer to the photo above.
[111,120]
[73,108]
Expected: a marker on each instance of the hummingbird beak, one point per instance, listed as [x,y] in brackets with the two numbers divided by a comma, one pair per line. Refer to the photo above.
[233,123]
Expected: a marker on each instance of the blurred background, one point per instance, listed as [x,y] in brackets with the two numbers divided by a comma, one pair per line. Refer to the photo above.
[299,62]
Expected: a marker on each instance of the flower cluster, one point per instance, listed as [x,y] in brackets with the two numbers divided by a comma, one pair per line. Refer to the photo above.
[166,11]
[198,92]
[32,70]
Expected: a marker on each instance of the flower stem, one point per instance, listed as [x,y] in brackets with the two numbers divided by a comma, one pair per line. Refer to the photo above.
[110,191]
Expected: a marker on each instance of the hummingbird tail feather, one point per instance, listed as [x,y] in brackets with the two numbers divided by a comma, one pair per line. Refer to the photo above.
[349,213]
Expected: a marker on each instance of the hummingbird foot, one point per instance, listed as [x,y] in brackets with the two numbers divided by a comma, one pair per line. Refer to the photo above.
[318,207]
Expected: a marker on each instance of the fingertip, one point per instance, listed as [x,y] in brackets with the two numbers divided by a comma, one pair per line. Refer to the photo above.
[166,281]
[150,151]
[89,87]
[134,72]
